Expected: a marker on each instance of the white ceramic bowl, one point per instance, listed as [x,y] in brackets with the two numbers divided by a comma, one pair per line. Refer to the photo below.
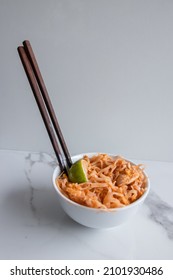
[97,218]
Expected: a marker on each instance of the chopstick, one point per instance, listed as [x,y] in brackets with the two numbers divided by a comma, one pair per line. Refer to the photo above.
[44,104]
[34,64]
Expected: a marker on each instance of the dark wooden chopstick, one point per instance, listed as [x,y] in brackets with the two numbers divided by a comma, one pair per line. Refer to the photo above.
[40,81]
[38,94]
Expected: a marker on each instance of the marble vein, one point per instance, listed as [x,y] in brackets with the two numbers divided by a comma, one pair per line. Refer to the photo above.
[161,213]
[31,200]
[28,178]
[48,159]
[30,160]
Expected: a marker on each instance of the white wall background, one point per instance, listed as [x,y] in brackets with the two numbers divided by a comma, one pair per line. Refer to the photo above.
[108,66]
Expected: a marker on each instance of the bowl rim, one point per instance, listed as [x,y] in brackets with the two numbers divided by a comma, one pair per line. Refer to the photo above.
[126,207]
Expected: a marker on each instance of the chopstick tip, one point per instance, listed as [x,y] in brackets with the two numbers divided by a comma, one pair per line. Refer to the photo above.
[26,42]
[19,48]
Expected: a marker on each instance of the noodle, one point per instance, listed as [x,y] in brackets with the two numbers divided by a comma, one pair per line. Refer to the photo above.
[112,182]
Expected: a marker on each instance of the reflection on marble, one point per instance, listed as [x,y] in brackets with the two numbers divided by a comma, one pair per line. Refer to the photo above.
[33,225]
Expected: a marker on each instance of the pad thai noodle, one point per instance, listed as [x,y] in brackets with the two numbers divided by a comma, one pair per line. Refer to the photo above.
[113,182]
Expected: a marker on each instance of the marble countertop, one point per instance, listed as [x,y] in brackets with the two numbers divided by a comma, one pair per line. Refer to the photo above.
[33,225]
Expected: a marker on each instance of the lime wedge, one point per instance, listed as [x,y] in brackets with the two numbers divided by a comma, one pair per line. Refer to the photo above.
[78,172]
